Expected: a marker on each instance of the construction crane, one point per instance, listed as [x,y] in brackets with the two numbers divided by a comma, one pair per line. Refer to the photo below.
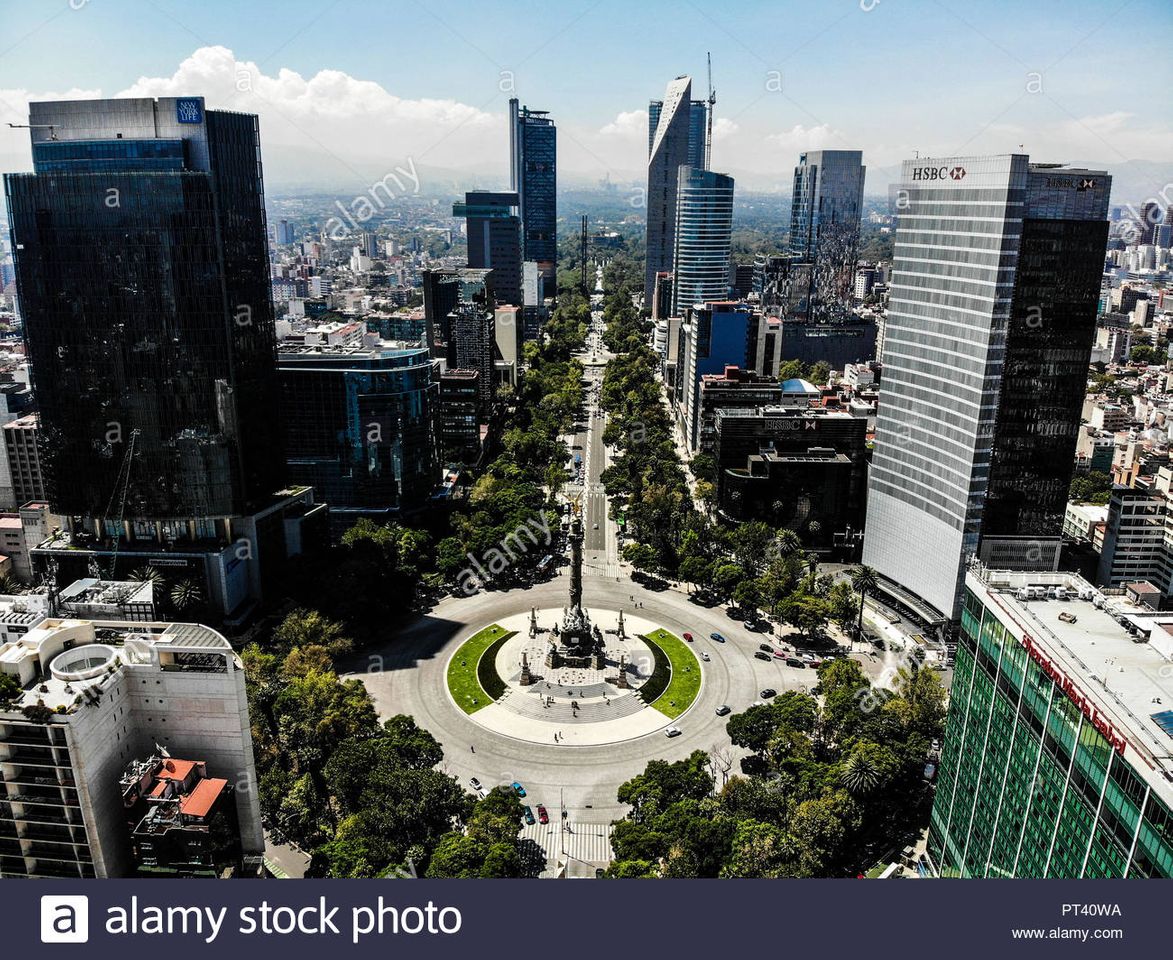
[121,485]
[709,115]
[52,128]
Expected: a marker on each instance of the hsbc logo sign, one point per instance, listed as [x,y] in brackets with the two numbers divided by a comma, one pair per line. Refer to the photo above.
[938,173]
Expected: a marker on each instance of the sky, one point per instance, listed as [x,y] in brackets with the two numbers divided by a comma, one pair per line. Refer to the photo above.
[349,89]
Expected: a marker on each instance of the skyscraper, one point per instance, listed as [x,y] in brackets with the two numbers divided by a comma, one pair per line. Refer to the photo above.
[996,277]
[142,269]
[670,150]
[698,119]
[704,231]
[825,210]
[533,167]
[494,239]
[1056,756]
[143,273]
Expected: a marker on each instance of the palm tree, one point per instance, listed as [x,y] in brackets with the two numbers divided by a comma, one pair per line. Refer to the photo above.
[185,593]
[859,774]
[863,582]
[9,585]
[787,542]
[146,574]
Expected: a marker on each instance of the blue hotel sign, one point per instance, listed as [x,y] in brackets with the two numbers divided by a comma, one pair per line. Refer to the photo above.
[189,110]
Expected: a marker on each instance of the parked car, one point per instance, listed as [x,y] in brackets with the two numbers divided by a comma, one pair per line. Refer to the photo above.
[795,662]
[673,732]
[474,783]
[543,816]
[724,710]
[705,656]
[688,637]
[765,647]
[749,624]
[716,637]
[518,788]
[762,656]
[528,814]
[768,693]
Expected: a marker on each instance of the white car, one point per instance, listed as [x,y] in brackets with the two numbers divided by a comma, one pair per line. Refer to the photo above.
[705,656]
[673,732]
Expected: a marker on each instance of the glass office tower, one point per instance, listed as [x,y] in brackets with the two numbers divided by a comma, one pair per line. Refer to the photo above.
[989,333]
[143,276]
[670,152]
[825,210]
[533,164]
[358,425]
[704,231]
[494,232]
[1057,759]
[698,121]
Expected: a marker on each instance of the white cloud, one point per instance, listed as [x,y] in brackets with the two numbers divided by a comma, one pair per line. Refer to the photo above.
[315,127]
[799,138]
[723,128]
[631,123]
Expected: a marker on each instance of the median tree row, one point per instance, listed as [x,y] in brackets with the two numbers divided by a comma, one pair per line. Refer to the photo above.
[513,501]
[752,565]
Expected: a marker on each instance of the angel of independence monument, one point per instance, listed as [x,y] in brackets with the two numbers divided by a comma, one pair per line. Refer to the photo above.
[575,642]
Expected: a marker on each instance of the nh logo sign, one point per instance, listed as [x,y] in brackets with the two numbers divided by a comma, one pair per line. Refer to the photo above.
[65,919]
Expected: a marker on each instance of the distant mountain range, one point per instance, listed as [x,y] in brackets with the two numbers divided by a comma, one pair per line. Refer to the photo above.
[302,170]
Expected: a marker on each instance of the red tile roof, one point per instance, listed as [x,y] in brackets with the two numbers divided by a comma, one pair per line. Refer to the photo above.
[176,769]
[201,799]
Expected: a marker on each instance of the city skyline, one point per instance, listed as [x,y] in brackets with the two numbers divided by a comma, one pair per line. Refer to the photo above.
[328,115]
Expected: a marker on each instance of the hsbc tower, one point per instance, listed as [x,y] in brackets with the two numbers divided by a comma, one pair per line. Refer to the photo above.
[992,314]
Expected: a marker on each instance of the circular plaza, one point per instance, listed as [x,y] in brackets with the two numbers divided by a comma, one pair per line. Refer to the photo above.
[514,678]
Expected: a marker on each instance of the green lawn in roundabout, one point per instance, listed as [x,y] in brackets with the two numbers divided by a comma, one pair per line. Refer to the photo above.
[675,693]
[464,675]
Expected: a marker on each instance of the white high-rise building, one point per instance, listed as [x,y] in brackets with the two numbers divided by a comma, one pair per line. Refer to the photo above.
[668,154]
[992,315]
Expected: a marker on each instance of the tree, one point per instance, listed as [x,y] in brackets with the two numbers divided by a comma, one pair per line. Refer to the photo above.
[759,850]
[863,582]
[304,627]
[663,783]
[10,689]
[748,597]
[186,594]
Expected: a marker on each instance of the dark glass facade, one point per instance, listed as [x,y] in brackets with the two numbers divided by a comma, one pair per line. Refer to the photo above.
[494,240]
[358,427]
[534,171]
[825,211]
[145,295]
[1044,378]
[1028,786]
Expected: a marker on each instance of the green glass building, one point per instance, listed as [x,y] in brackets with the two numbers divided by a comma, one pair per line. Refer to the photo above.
[1057,759]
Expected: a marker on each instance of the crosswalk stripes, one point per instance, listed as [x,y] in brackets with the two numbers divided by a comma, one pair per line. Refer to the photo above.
[583,843]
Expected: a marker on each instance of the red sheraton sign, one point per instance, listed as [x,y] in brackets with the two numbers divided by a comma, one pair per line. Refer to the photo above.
[1069,687]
